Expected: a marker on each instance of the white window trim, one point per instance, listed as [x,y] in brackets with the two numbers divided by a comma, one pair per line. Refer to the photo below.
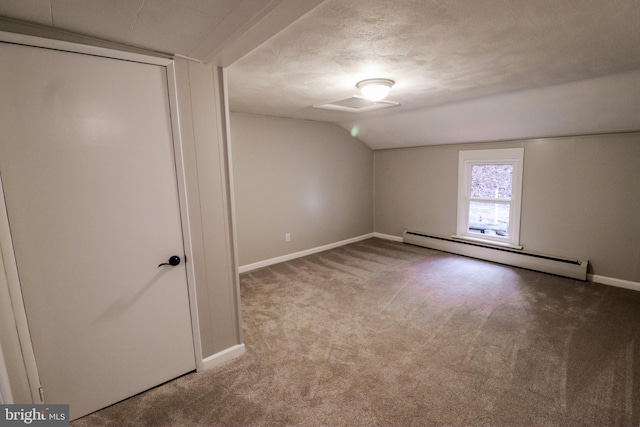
[466,159]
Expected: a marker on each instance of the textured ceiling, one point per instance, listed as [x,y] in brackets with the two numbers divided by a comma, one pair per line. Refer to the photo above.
[200,29]
[465,70]
[438,52]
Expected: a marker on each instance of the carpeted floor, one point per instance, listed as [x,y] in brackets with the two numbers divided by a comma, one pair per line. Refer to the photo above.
[379,333]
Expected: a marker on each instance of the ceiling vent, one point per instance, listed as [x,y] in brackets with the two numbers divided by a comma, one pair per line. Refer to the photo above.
[356,104]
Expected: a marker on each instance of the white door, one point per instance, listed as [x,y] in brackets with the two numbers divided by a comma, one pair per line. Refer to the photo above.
[87,168]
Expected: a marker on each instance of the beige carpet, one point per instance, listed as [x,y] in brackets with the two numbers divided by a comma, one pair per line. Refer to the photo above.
[379,333]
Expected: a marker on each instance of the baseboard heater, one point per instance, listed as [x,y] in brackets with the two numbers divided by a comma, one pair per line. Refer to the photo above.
[548,264]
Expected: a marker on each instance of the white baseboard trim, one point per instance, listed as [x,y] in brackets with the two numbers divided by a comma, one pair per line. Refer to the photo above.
[618,283]
[387,237]
[289,257]
[221,357]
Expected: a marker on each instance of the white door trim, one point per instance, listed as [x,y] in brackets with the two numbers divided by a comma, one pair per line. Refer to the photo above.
[8,265]
[184,211]
[26,40]
[6,396]
[10,270]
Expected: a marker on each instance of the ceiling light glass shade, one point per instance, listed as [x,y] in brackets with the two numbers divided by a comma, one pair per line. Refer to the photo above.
[375,89]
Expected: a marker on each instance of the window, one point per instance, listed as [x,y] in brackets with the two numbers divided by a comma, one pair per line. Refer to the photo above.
[489,190]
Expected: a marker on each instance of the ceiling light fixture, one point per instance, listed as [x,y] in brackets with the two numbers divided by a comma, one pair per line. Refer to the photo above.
[375,89]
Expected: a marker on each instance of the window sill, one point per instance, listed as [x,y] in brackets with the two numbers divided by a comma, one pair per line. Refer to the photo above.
[487,242]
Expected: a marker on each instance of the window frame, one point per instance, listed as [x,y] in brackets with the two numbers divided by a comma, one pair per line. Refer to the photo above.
[466,160]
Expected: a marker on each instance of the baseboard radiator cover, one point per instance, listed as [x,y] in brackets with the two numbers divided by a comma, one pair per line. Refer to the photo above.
[574,269]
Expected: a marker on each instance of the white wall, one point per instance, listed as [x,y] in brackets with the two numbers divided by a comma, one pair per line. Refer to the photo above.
[309,179]
[580,197]
[201,100]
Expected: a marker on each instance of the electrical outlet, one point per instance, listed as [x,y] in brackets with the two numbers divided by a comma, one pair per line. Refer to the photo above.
[287,237]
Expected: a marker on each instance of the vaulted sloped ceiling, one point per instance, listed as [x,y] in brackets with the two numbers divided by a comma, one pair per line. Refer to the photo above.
[465,70]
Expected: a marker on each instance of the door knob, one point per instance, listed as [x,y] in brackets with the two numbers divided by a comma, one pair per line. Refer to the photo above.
[173,261]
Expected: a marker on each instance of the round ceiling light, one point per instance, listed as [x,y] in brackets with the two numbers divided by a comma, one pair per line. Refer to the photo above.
[375,89]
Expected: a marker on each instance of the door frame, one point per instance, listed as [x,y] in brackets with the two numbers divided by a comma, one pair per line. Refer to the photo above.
[28,377]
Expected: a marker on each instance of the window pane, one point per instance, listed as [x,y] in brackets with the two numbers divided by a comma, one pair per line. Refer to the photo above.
[490,219]
[491,181]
